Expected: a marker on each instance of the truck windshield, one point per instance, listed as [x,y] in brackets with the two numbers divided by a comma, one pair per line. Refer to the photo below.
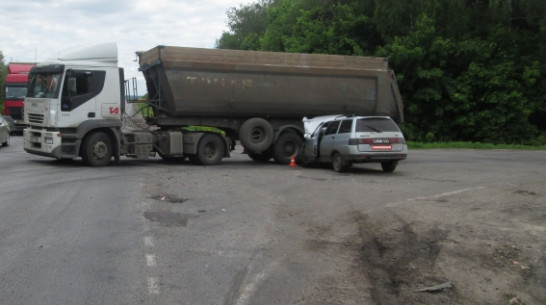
[44,85]
[15,92]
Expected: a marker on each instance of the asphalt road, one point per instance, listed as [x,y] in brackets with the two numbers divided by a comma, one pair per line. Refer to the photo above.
[149,232]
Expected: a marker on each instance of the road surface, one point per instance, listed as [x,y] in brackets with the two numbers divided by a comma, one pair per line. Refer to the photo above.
[150,232]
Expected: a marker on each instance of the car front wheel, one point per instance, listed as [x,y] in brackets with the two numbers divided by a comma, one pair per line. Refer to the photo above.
[338,163]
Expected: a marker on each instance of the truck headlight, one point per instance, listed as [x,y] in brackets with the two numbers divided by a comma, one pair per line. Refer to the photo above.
[48,140]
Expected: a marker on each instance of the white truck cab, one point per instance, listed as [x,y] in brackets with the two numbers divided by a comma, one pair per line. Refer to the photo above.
[68,96]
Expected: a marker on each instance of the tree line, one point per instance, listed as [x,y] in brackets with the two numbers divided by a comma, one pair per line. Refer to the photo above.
[468,70]
[3,73]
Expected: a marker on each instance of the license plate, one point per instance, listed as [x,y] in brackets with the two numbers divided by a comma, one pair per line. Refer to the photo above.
[381,141]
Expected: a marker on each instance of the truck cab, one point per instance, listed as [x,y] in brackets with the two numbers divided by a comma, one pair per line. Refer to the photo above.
[75,106]
[68,97]
[15,91]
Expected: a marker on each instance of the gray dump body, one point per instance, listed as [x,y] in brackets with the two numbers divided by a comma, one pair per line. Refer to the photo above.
[192,82]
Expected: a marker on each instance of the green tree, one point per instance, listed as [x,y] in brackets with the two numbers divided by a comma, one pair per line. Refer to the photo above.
[469,70]
[247,25]
[3,73]
[334,28]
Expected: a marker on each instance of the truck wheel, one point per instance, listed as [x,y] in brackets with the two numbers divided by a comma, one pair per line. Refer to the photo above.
[256,135]
[211,149]
[389,166]
[97,149]
[286,146]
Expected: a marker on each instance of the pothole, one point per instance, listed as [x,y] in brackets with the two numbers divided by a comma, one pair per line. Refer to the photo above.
[169,198]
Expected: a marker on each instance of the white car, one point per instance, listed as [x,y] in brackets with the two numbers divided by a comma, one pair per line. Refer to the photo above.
[343,141]
[4,131]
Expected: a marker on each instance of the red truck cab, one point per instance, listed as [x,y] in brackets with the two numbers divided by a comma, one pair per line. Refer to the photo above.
[15,91]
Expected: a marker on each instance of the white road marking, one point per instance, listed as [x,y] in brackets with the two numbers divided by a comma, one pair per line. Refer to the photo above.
[395,204]
[153,285]
[149,242]
[150,260]
[253,282]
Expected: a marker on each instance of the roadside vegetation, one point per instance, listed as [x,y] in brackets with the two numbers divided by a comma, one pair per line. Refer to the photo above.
[471,145]
[470,71]
[3,73]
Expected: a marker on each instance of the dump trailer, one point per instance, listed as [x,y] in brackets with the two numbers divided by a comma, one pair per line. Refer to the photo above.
[202,102]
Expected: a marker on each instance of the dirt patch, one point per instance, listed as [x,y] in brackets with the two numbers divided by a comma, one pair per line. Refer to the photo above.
[484,246]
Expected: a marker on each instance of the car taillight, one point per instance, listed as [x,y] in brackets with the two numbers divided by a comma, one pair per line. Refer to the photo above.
[372,141]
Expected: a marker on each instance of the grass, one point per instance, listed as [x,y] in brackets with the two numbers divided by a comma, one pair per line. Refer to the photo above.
[471,145]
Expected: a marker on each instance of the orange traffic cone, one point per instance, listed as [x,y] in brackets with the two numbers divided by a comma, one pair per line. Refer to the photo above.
[292,161]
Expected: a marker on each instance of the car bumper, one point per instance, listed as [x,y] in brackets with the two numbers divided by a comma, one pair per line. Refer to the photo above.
[375,157]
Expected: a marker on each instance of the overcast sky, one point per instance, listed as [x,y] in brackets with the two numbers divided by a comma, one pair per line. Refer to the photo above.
[34,30]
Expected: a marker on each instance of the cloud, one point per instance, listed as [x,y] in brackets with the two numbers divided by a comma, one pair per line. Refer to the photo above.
[33,30]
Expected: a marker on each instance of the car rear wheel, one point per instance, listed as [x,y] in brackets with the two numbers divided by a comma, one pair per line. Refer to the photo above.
[389,166]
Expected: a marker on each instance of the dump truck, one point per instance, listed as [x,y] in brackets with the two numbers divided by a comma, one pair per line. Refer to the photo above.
[201,102]
[15,91]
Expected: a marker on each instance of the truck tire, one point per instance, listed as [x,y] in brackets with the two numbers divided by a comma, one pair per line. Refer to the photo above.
[97,149]
[256,135]
[286,146]
[211,149]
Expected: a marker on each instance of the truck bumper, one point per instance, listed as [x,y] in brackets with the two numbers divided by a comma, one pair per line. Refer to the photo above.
[43,143]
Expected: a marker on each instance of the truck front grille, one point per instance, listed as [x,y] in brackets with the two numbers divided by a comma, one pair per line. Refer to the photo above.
[35,118]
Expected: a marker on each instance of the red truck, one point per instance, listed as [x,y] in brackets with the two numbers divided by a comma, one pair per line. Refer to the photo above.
[15,91]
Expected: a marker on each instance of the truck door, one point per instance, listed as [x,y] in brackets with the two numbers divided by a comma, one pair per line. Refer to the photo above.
[328,139]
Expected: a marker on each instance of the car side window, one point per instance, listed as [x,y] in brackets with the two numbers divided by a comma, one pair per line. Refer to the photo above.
[345,126]
[332,127]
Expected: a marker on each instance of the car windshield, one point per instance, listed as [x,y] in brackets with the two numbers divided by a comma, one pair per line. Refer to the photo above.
[44,85]
[15,92]
[376,125]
